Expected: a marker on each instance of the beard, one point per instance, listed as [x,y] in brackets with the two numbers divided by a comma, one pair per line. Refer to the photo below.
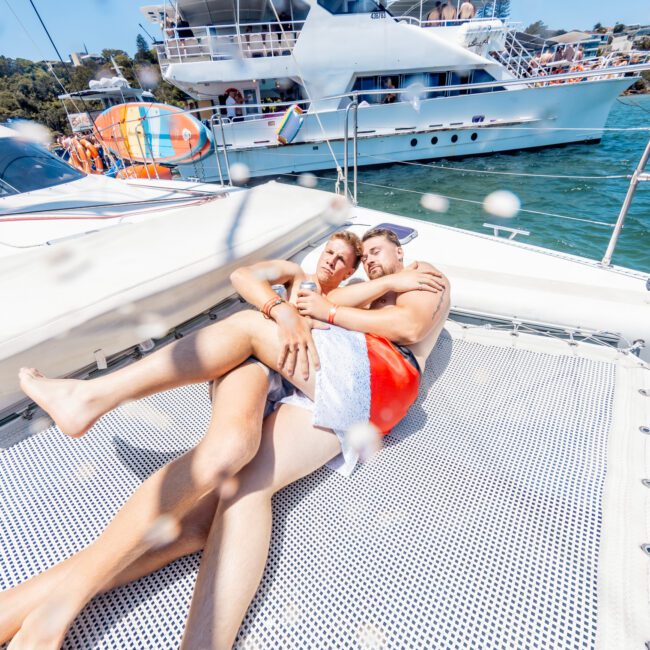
[377,271]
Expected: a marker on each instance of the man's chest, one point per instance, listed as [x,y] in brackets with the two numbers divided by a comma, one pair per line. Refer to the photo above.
[386,300]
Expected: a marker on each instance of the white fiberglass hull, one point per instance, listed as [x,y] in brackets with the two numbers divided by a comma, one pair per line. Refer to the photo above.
[438,128]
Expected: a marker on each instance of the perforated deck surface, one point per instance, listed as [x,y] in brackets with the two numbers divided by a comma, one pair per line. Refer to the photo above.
[478,525]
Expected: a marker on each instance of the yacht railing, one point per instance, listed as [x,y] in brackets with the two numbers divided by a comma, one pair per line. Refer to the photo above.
[515,57]
[219,42]
[638,176]
[457,22]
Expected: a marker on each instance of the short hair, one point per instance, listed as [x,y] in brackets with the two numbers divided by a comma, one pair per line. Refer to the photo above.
[350,238]
[382,232]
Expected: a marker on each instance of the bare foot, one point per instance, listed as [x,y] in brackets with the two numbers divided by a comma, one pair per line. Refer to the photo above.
[45,627]
[12,615]
[66,401]
[16,603]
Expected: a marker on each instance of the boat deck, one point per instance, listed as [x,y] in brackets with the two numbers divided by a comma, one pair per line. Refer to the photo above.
[487,520]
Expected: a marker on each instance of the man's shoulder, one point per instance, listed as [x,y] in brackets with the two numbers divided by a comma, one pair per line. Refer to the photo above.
[427,266]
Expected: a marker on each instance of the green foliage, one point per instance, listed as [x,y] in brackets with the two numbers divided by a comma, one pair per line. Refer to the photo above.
[143,52]
[643,44]
[538,28]
[108,53]
[618,28]
[29,89]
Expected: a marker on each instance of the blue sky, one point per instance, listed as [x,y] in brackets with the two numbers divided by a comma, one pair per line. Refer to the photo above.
[114,23]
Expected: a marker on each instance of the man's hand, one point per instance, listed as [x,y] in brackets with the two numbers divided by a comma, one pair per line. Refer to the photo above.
[313,304]
[413,279]
[297,346]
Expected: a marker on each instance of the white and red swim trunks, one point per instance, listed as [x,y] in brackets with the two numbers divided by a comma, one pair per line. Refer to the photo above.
[363,378]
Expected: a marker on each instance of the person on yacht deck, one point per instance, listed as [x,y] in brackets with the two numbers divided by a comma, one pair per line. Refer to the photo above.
[389,98]
[434,14]
[448,12]
[569,53]
[231,519]
[231,103]
[467,11]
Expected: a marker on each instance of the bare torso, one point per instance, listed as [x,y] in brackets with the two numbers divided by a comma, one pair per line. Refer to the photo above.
[422,348]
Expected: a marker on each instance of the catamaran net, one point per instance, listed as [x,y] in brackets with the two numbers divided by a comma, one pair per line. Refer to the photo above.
[478,525]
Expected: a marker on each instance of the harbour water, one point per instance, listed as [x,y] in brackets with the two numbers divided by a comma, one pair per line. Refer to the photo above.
[398,188]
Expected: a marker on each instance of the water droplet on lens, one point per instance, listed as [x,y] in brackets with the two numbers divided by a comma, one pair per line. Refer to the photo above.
[229,488]
[502,204]
[32,131]
[163,531]
[371,636]
[481,376]
[239,173]
[292,613]
[337,212]
[86,471]
[307,180]
[271,274]
[39,424]
[435,203]
[143,412]
[364,438]
[66,262]
[151,326]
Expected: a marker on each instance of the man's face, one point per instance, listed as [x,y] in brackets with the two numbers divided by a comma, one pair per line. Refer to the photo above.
[381,257]
[336,262]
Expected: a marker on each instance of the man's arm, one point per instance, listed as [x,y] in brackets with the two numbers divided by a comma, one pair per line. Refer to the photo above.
[361,294]
[253,283]
[407,322]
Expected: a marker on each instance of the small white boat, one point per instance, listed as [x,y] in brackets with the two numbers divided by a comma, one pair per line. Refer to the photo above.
[507,509]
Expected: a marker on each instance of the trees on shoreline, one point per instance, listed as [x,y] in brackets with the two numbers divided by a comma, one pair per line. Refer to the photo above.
[29,89]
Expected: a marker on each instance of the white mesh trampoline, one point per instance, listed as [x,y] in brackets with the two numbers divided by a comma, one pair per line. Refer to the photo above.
[506,511]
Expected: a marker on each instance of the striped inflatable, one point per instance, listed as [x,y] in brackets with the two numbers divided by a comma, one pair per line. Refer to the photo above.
[290,124]
[141,132]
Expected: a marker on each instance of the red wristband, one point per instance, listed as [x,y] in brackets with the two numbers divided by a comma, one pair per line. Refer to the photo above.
[332,314]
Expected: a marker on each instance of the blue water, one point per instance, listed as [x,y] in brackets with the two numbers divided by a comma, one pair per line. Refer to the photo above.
[598,200]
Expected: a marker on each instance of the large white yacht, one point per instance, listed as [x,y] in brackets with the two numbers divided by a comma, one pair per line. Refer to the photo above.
[424,89]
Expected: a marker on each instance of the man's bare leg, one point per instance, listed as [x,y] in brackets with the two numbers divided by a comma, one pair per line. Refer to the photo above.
[237,548]
[231,441]
[18,602]
[211,352]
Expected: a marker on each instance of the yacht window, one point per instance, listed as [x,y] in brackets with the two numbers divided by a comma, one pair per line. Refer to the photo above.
[482,76]
[350,6]
[459,80]
[25,167]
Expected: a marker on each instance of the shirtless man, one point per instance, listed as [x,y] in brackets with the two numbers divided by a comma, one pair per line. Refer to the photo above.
[448,11]
[434,15]
[467,11]
[294,444]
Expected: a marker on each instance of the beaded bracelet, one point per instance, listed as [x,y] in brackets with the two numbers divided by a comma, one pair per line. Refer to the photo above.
[269,304]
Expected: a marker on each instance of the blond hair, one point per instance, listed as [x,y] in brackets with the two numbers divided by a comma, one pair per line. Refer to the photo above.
[355,243]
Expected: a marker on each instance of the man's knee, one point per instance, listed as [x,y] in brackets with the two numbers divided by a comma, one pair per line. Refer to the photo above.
[216,462]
